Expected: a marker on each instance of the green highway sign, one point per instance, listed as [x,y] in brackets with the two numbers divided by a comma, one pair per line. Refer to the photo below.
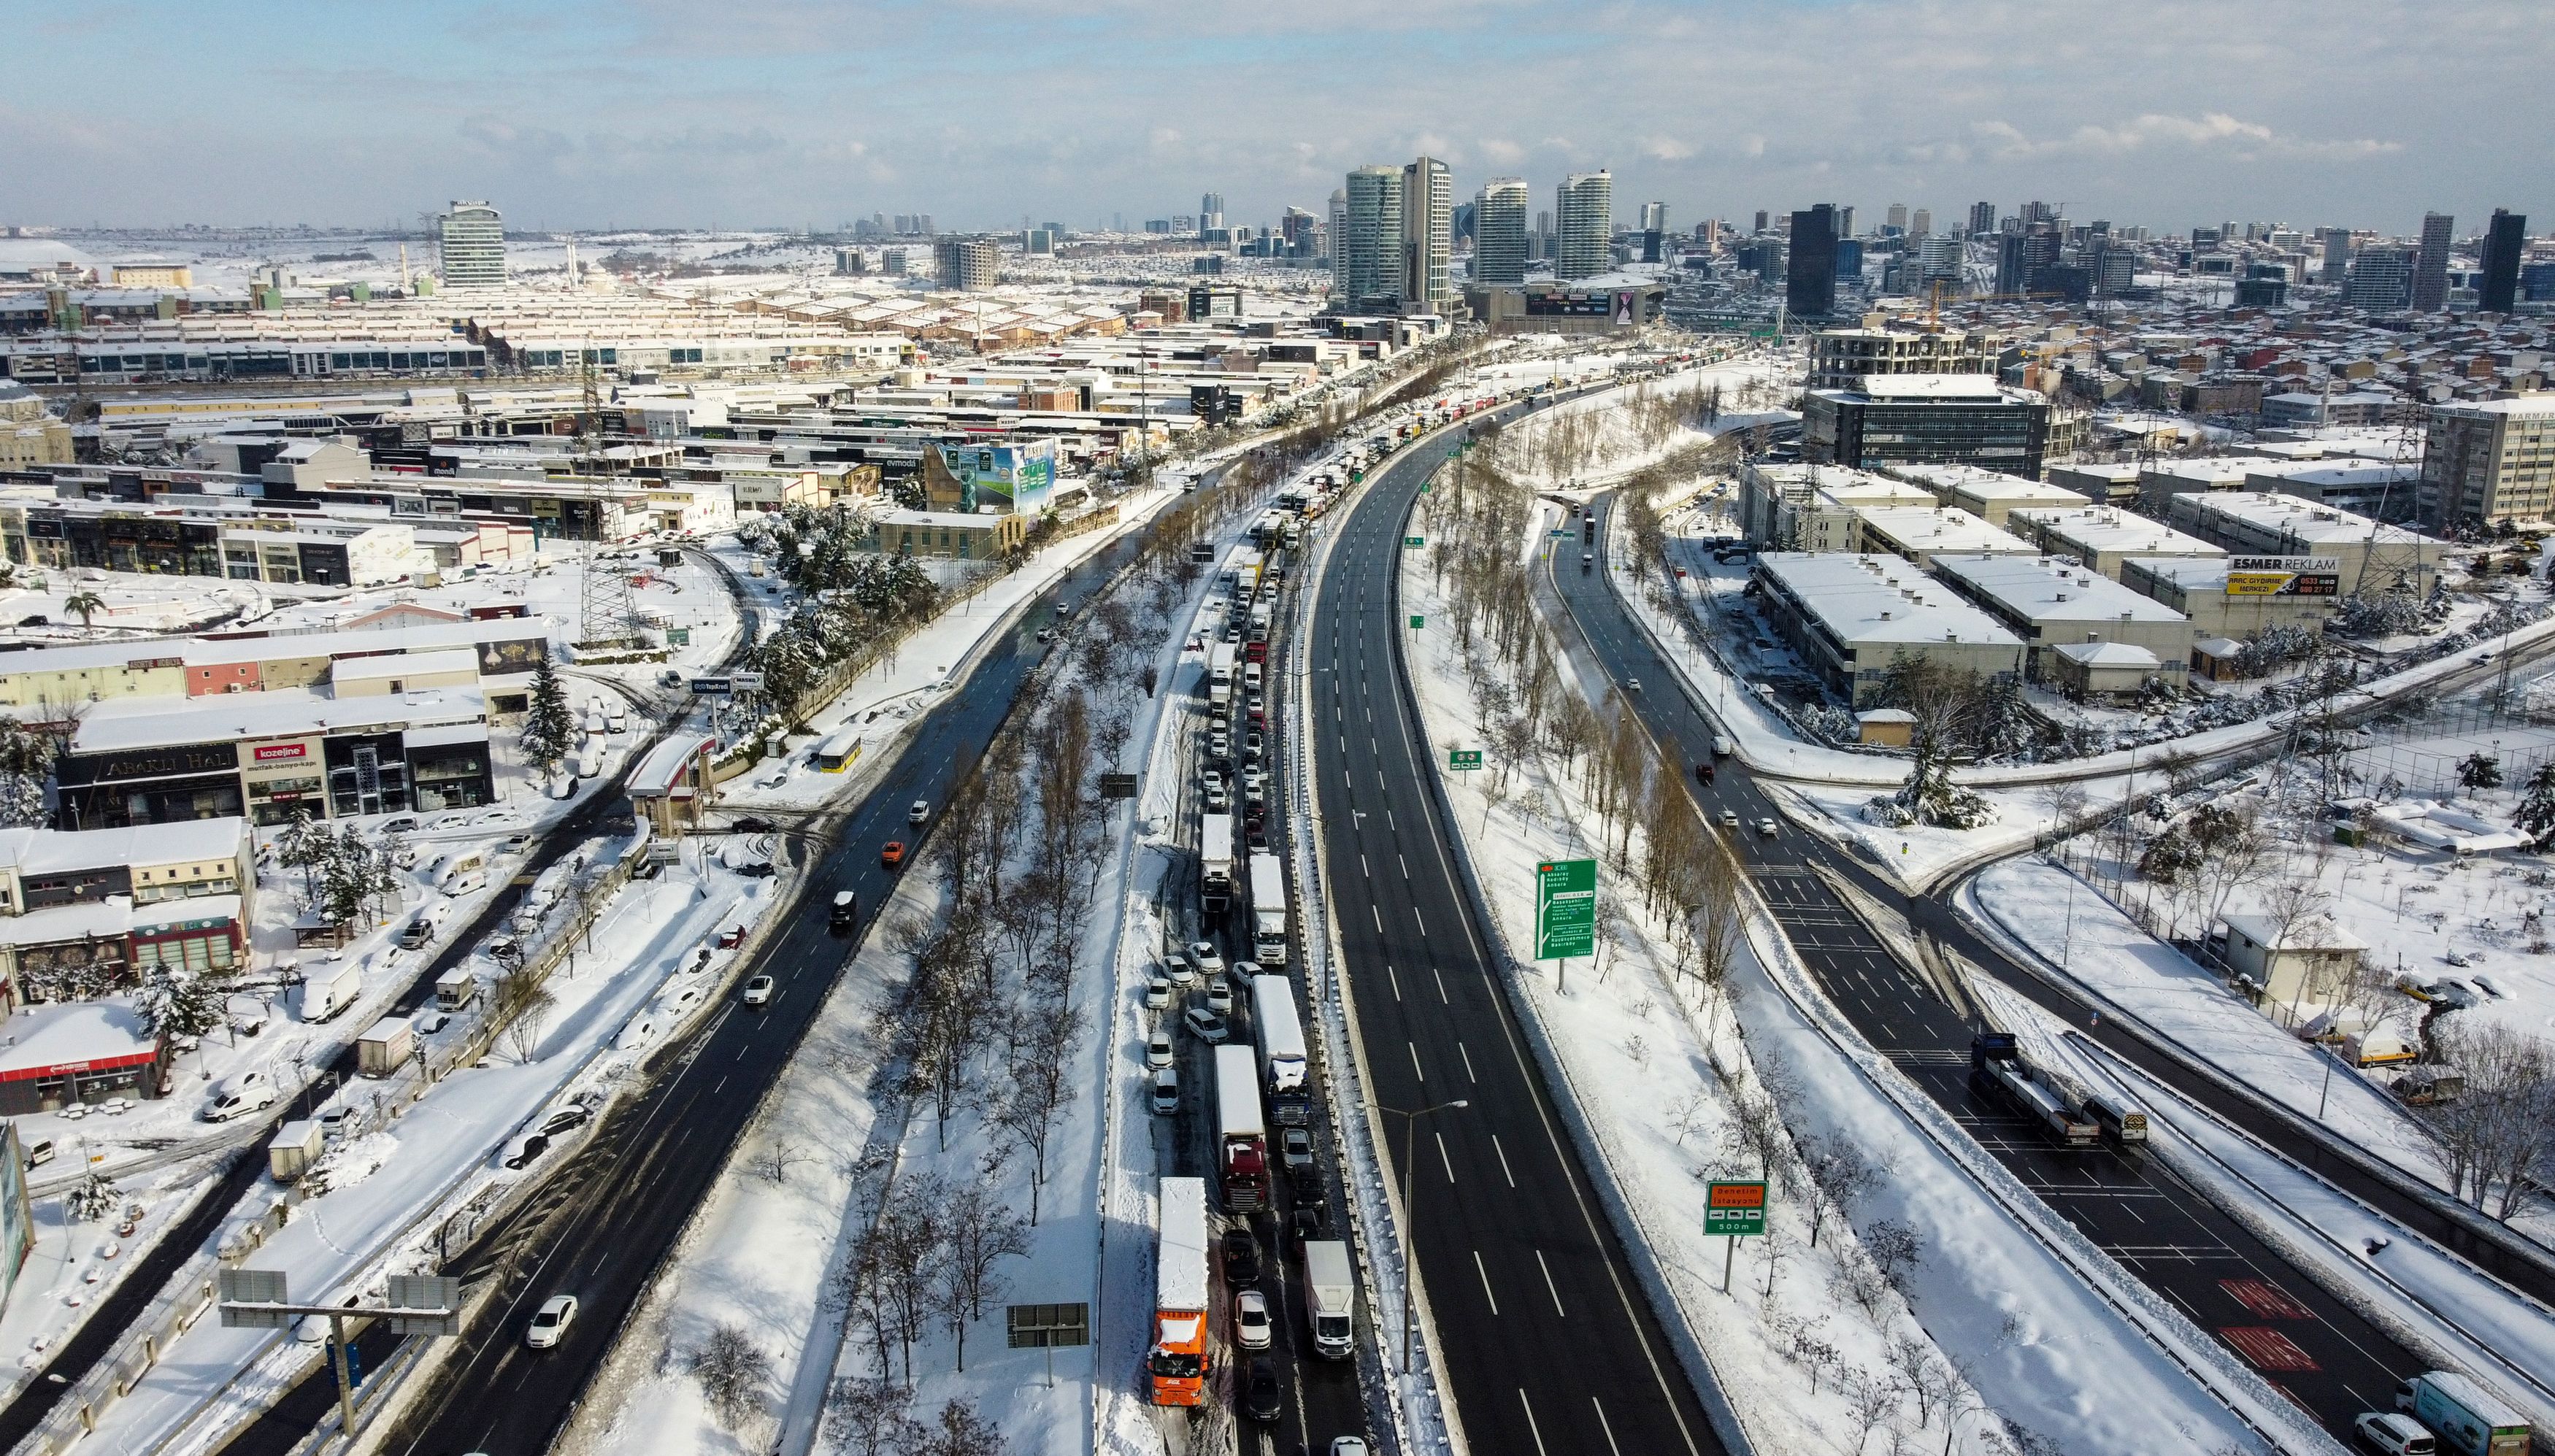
[1417,621]
[1735,1209]
[1414,541]
[1463,757]
[1565,909]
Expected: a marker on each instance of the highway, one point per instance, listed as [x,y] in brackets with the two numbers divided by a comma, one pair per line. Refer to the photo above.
[602,1224]
[2322,1353]
[1549,1345]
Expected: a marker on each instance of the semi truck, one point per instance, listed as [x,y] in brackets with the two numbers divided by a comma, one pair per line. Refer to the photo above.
[1330,1296]
[1268,910]
[1219,676]
[1177,1363]
[1242,1138]
[1215,862]
[2467,1419]
[1284,1071]
[325,992]
[1995,1062]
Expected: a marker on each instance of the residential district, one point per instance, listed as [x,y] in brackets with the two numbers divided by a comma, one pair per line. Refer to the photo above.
[1498,825]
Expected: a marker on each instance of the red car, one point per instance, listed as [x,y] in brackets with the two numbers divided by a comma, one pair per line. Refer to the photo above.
[892,854]
[731,937]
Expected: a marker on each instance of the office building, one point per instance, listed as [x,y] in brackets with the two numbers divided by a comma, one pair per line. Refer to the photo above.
[2488,462]
[1500,248]
[1335,240]
[472,246]
[1427,234]
[1210,210]
[2083,632]
[1895,219]
[2023,259]
[2506,241]
[1851,616]
[2431,264]
[968,265]
[1845,222]
[1791,507]
[1926,418]
[1654,217]
[2335,242]
[1841,358]
[1761,219]
[1923,224]
[1583,217]
[2382,278]
[1810,273]
[1370,249]
[1550,306]
[1981,219]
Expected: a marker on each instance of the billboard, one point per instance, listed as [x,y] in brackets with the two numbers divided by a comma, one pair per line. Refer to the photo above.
[1002,480]
[2284,575]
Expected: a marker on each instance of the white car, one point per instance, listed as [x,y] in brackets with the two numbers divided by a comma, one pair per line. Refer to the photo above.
[1348,1446]
[1219,996]
[1177,969]
[757,992]
[1250,1326]
[1157,1050]
[1766,829]
[2397,1435]
[1157,994]
[551,1321]
[921,811]
[1203,956]
[1207,1026]
[239,1103]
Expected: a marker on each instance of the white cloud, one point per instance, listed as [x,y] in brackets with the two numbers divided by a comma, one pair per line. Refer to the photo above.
[2213,131]
[1667,149]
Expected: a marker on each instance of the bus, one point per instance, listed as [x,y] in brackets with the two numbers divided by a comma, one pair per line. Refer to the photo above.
[839,751]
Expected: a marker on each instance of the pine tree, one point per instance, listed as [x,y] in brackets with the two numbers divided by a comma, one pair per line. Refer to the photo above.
[175,1003]
[550,727]
[2479,771]
[26,762]
[2536,816]
[93,1199]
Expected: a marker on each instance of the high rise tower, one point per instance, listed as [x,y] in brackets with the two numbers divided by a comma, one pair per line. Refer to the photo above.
[1583,224]
[2431,264]
[1498,251]
[472,241]
[1427,232]
[1369,247]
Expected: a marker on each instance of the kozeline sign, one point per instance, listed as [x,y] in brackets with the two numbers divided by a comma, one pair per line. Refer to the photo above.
[271,753]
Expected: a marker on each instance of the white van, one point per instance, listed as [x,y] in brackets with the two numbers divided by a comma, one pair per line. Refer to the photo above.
[469,881]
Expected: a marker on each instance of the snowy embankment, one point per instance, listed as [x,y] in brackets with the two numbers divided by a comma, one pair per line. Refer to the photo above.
[768,1250]
[1785,1354]
[1600,439]
[2454,1314]
[433,1161]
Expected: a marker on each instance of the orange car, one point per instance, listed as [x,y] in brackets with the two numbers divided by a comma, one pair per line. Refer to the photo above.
[892,854]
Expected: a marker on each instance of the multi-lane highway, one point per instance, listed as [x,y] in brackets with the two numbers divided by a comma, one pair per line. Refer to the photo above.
[602,1224]
[1549,1345]
[2323,1354]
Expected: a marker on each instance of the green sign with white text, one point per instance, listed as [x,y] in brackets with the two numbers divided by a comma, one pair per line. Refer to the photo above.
[1463,757]
[1735,1209]
[1565,909]
[1417,621]
[1414,541]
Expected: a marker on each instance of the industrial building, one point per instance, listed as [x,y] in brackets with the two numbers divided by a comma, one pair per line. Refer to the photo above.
[1920,533]
[2103,536]
[2083,634]
[1849,616]
[2238,597]
[1986,494]
[2367,556]
[1913,419]
[1809,508]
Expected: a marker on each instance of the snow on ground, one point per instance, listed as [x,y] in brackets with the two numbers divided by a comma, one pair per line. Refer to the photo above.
[349,1237]
[1662,1130]
[2440,1304]
[763,1254]
[1604,436]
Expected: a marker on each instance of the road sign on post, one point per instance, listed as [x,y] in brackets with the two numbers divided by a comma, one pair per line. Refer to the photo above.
[435,1298]
[1417,621]
[238,1286]
[1116,786]
[1415,542]
[1733,1211]
[745,681]
[1565,909]
[712,687]
[1463,757]
[1049,1327]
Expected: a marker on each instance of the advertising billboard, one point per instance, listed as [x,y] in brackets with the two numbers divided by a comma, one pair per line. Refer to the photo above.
[1003,480]
[2284,575]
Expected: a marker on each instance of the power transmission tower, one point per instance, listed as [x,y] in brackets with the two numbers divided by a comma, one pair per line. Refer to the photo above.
[2393,555]
[607,615]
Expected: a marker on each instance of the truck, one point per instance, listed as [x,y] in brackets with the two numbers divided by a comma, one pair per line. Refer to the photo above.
[1330,1296]
[2468,1420]
[1258,622]
[2120,1117]
[384,1045]
[1721,747]
[1219,676]
[1996,1063]
[297,1146]
[1242,1138]
[1284,1071]
[1215,862]
[1268,910]
[1177,1363]
[455,989]
[325,992]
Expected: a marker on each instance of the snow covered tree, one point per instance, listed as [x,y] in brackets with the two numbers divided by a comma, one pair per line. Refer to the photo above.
[550,726]
[26,762]
[733,1372]
[2536,816]
[177,1002]
[304,846]
[2479,771]
[93,1200]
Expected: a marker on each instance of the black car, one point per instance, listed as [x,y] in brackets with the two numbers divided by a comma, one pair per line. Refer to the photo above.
[1306,1222]
[1263,1398]
[1240,1256]
[533,1146]
[751,824]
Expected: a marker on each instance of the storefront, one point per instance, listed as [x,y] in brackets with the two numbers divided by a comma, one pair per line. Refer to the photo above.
[80,1054]
[283,779]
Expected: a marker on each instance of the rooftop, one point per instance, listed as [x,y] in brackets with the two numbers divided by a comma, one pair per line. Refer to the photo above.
[2106,530]
[2041,590]
[2302,521]
[150,722]
[1875,599]
[1936,529]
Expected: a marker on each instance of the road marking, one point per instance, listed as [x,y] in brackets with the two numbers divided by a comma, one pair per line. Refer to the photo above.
[1397,982]
[1442,998]
[1414,1061]
[1503,1160]
[1405,864]
[1423,924]
[1378,913]
[1362,869]
[1467,1063]
[722,1081]
[1548,1286]
[1483,1270]
[1448,1163]
[1533,1429]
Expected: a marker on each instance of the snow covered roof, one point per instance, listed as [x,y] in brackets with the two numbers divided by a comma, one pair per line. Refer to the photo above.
[404,664]
[161,723]
[1879,600]
[655,775]
[2109,654]
[2040,590]
[95,1032]
[2102,530]
[2314,933]
[1933,529]
[40,852]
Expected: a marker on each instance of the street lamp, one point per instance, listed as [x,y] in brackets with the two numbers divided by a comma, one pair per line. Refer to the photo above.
[1410,1224]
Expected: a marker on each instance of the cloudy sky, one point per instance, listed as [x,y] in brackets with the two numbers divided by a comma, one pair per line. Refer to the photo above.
[800,114]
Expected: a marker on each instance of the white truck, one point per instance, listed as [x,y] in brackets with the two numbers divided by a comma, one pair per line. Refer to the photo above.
[384,1046]
[1330,1296]
[328,991]
[2468,1420]
[1219,676]
[1215,861]
[1268,910]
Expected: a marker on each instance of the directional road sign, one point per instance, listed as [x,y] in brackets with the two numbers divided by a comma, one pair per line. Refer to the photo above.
[1565,909]
[1733,1208]
[1463,757]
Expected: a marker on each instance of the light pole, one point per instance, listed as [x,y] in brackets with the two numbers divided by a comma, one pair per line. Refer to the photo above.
[1410,1224]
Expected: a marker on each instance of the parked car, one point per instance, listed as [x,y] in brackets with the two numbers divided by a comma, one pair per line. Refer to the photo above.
[403,825]
[1157,994]
[1348,1446]
[757,992]
[1296,1152]
[731,937]
[1166,1091]
[751,824]
[551,1321]
[430,1023]
[1250,1326]
[528,1150]
[1207,1026]
[566,1119]
[1157,1048]
[239,1103]
[1240,1256]
[415,933]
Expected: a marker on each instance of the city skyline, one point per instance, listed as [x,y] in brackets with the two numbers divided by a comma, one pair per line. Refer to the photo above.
[591,118]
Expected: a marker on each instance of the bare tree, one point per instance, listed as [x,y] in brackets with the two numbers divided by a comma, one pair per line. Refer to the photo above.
[733,1372]
[1871,1399]
[870,1417]
[977,1232]
[1838,1173]
[1896,1250]
[961,1432]
[1041,1086]
[1920,1374]
[779,1156]
[522,1006]
[2495,1140]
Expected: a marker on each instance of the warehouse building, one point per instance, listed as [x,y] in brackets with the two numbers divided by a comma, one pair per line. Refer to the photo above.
[2238,596]
[1986,494]
[1849,616]
[2083,634]
[2102,538]
[2115,484]
[1811,508]
[1921,533]
[2367,556]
